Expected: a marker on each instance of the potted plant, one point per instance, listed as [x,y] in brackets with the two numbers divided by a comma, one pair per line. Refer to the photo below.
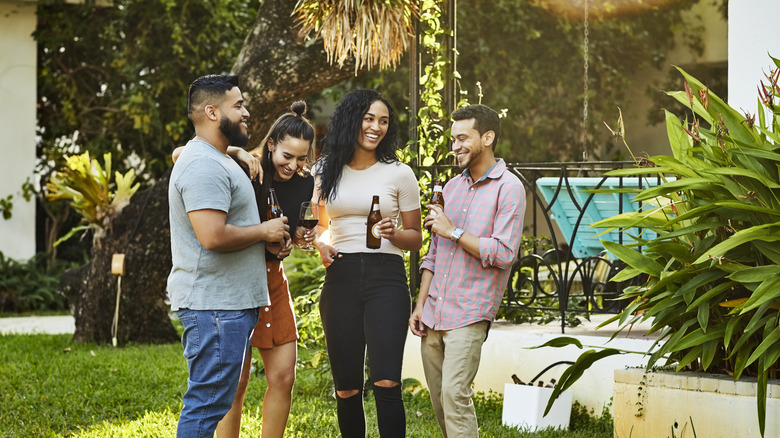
[712,288]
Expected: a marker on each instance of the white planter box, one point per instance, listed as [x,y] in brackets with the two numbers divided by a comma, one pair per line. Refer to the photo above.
[524,407]
[660,404]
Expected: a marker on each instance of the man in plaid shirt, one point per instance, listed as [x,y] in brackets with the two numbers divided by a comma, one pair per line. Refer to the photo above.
[474,242]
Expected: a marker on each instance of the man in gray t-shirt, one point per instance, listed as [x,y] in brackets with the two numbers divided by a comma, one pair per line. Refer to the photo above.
[218,280]
[205,179]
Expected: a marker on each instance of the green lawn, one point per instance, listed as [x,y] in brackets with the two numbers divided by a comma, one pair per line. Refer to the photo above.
[52,388]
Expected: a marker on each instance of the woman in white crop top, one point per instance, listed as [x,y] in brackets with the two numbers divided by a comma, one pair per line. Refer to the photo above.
[365,302]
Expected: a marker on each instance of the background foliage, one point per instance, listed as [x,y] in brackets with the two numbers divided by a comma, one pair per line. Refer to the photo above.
[30,285]
[116,84]
[530,62]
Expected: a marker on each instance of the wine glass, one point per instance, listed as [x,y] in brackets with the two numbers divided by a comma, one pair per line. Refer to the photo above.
[308,219]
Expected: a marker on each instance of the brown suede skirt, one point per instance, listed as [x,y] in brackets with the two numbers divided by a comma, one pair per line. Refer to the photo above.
[276,325]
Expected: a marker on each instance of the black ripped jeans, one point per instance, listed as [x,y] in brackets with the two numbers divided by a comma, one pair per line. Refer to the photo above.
[365,307]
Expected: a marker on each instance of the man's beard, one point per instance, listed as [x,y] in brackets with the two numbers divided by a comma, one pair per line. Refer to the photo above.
[233,132]
[469,159]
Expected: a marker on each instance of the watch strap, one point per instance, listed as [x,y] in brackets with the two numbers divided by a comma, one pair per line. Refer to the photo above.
[456,234]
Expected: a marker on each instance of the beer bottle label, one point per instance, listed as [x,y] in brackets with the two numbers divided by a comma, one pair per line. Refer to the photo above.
[375,231]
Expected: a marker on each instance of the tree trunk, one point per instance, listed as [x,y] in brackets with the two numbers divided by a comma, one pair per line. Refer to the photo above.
[276,68]
[142,233]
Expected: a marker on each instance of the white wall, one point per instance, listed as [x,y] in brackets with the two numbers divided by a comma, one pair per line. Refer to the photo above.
[17,124]
[753,36]
[507,352]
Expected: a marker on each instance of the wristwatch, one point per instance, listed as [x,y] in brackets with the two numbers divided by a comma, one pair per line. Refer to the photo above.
[456,235]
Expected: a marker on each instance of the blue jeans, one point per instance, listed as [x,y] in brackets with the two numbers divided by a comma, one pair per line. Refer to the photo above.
[215,344]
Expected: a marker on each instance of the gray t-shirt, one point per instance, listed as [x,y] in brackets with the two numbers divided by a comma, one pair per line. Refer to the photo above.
[205,178]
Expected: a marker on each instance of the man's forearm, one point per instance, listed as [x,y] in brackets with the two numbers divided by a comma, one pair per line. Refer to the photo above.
[234,238]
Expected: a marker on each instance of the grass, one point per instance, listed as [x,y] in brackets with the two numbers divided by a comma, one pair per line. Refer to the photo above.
[50,387]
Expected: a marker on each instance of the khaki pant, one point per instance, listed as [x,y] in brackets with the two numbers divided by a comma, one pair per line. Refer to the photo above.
[450,361]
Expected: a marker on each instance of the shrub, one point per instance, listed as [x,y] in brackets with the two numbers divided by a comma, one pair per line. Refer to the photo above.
[30,285]
[713,270]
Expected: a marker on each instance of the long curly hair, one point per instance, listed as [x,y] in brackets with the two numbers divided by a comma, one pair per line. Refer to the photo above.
[291,124]
[338,145]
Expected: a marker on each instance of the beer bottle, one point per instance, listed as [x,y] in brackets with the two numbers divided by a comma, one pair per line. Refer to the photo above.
[437,197]
[374,216]
[517,380]
[274,211]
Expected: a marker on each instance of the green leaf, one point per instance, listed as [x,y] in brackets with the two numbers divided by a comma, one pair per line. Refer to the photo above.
[755,274]
[696,337]
[703,316]
[652,219]
[575,371]
[746,344]
[761,389]
[633,258]
[767,291]
[771,357]
[71,233]
[698,108]
[624,274]
[634,171]
[675,165]
[770,251]
[769,341]
[747,173]
[765,232]
[689,357]
[758,153]
[560,341]
[673,249]
[698,280]
[673,340]
[708,353]
[710,295]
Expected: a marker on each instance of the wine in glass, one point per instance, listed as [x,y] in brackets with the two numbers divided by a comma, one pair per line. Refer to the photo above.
[308,219]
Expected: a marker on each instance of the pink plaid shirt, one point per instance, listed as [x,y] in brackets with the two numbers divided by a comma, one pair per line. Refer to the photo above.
[466,289]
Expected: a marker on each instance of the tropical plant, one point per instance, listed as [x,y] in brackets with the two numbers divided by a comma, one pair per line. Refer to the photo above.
[88,186]
[713,272]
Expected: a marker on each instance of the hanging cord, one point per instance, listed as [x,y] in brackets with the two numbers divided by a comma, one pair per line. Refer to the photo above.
[585,44]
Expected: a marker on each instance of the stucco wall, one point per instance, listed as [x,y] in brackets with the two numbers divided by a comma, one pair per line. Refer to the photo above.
[753,36]
[17,124]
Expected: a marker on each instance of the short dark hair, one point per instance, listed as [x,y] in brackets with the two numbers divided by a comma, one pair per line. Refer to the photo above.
[485,119]
[208,90]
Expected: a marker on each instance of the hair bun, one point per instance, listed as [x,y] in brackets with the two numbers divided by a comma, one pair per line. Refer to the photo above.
[299,108]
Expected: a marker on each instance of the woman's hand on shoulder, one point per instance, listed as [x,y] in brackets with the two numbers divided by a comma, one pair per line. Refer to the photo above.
[251,162]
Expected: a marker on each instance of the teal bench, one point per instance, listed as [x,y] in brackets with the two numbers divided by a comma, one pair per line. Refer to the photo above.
[574,211]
